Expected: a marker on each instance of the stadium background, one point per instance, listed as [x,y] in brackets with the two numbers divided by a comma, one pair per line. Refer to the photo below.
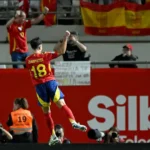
[101,49]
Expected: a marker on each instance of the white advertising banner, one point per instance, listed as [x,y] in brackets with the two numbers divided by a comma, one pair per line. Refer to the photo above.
[73,73]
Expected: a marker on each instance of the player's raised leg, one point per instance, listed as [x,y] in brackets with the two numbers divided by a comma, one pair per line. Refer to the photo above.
[62,105]
[44,102]
[58,98]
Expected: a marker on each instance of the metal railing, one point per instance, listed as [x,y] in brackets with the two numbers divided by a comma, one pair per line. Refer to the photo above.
[92,63]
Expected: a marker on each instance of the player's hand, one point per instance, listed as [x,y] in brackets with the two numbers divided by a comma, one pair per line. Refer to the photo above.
[46,10]
[67,34]
[18,13]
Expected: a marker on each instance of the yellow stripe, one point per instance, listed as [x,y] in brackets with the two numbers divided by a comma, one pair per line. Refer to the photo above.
[54,19]
[42,5]
[112,18]
[14,43]
[136,20]
[43,103]
[71,120]
[116,18]
[57,95]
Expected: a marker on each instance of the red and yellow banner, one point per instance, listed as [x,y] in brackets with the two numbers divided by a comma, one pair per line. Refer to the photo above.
[147,1]
[117,97]
[121,18]
[50,19]
[24,5]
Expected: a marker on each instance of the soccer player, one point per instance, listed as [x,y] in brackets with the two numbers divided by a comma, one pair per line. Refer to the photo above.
[46,86]
[17,37]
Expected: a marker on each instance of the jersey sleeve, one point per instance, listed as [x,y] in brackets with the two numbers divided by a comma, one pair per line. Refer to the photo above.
[52,55]
[27,24]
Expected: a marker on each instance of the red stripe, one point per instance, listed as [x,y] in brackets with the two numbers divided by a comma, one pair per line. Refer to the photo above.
[136,32]
[106,8]
[101,8]
[136,7]
[122,31]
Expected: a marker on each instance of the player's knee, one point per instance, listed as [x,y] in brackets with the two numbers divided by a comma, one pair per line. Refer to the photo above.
[60,103]
[46,110]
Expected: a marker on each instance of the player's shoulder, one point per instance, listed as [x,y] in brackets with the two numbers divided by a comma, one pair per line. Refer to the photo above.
[13,25]
[29,57]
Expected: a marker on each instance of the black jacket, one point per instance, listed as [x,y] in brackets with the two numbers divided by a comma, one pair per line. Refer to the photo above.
[124,58]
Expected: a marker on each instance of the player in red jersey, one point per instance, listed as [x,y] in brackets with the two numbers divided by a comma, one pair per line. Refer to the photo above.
[46,86]
[16,28]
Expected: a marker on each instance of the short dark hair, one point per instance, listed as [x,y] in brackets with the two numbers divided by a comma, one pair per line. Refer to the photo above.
[35,43]
[114,129]
[22,102]
[74,33]
[58,126]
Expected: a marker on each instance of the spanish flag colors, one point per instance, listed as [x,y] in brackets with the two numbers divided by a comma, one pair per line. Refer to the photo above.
[147,1]
[50,19]
[121,18]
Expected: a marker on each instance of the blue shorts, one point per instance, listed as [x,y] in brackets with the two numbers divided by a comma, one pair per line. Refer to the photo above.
[48,91]
[17,56]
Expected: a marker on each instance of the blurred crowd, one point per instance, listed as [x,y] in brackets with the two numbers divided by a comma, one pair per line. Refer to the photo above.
[107,2]
[69,9]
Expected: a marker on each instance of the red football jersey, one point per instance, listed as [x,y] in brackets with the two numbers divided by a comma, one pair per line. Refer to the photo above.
[40,68]
[17,36]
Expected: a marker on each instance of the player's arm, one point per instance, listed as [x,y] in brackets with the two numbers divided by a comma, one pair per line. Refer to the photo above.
[61,49]
[10,22]
[57,46]
[18,13]
[41,17]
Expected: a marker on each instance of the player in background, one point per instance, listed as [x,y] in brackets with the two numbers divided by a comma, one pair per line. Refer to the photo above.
[46,86]
[17,37]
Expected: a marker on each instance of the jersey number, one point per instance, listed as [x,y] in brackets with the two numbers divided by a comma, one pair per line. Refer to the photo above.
[22,119]
[39,70]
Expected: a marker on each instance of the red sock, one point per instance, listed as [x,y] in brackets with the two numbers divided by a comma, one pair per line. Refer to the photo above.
[69,113]
[50,123]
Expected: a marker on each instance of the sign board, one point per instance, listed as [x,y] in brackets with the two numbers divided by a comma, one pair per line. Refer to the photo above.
[73,73]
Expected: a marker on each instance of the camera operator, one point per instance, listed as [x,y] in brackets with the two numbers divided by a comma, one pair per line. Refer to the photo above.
[111,136]
[4,135]
[59,130]
[75,51]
